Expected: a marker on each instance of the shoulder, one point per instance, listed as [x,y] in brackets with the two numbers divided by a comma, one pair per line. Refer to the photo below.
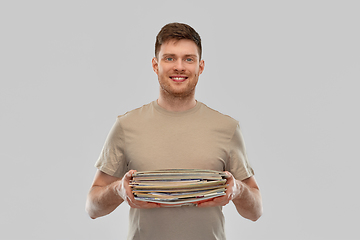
[217,116]
[134,114]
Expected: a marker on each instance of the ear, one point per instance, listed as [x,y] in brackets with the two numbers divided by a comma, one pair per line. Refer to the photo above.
[201,66]
[155,65]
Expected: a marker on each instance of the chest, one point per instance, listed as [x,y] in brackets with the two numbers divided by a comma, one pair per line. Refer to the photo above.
[176,145]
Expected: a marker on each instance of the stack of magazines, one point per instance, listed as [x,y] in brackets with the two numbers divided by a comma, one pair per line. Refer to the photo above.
[178,186]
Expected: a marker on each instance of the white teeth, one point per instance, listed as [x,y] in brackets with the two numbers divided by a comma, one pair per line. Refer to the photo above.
[177,78]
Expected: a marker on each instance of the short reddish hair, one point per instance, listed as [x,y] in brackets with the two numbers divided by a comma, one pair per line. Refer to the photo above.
[177,31]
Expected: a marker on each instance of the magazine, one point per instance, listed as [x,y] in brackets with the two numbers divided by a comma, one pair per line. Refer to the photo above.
[178,186]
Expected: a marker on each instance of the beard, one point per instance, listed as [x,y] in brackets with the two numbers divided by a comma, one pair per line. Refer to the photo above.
[178,90]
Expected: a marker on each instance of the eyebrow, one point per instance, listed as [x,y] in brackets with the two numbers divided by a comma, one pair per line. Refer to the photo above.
[173,55]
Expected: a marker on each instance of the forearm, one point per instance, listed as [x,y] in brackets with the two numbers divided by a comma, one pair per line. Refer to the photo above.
[249,202]
[102,200]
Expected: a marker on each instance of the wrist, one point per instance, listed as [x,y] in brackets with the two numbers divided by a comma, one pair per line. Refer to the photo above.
[237,190]
[116,188]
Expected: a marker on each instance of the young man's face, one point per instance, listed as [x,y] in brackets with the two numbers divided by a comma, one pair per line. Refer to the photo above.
[178,67]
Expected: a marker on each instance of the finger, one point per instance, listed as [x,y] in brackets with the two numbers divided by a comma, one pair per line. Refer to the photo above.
[141,204]
[208,204]
[124,189]
[228,174]
[169,205]
[218,201]
[128,190]
[128,175]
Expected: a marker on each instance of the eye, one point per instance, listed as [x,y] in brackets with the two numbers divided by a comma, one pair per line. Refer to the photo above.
[169,59]
[189,60]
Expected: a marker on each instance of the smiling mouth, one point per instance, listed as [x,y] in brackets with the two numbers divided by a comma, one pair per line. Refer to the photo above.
[178,78]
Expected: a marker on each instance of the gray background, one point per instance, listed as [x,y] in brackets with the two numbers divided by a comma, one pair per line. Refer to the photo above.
[287,70]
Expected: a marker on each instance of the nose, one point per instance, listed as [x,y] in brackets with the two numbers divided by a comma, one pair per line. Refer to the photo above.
[179,65]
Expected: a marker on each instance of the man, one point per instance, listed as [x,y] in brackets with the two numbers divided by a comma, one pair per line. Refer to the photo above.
[176,131]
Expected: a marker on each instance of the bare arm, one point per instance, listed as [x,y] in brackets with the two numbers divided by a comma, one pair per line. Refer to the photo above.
[103,197]
[247,199]
[244,194]
[108,192]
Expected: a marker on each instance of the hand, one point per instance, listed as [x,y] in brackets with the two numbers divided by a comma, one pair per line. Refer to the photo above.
[233,191]
[124,190]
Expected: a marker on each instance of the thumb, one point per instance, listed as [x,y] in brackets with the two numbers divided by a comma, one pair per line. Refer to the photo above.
[124,183]
[128,176]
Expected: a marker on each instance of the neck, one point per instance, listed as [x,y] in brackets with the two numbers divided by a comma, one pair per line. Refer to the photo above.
[176,104]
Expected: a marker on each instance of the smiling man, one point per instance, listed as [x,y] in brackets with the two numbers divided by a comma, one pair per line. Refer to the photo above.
[174,132]
[178,66]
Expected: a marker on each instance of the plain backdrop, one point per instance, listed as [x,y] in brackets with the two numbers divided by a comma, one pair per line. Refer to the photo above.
[289,71]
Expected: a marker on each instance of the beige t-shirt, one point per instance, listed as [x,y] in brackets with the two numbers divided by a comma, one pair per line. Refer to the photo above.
[152,138]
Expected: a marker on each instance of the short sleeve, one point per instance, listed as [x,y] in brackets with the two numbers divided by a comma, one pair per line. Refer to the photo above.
[112,158]
[238,163]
